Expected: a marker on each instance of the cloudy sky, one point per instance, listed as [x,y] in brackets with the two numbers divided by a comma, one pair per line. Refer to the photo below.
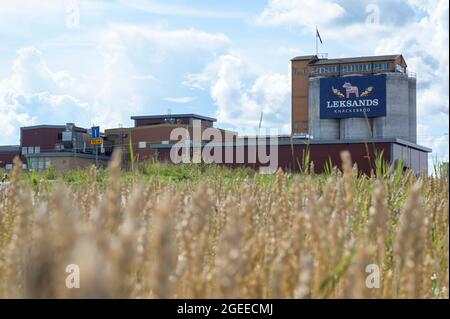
[99,62]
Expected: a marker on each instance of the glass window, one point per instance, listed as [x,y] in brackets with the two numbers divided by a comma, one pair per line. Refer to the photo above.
[400,68]
[48,163]
[142,144]
[24,150]
[30,150]
[37,149]
[40,164]
[33,163]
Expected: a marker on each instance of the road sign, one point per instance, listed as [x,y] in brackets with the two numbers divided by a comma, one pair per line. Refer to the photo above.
[96,141]
[95,132]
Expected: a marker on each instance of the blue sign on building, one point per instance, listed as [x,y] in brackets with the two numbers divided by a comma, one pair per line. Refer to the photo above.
[353,96]
[95,132]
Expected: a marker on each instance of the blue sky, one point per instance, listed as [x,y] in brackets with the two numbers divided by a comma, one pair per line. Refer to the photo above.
[99,62]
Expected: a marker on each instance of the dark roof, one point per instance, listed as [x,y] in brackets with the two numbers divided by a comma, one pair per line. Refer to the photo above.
[304,57]
[9,148]
[358,59]
[308,141]
[195,116]
[43,126]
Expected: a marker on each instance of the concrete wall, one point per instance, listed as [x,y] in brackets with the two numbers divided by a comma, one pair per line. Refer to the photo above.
[412,111]
[68,163]
[400,120]
[320,129]
[356,128]
[62,163]
[396,123]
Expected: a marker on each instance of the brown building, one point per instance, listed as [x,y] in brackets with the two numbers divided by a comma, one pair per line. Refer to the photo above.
[292,153]
[305,67]
[60,146]
[7,154]
[155,130]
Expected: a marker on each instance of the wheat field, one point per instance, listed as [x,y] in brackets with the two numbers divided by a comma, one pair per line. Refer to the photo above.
[284,236]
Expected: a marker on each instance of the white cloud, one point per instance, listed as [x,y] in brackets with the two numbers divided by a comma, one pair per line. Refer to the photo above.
[34,92]
[240,102]
[123,79]
[158,42]
[165,9]
[425,45]
[299,13]
[180,100]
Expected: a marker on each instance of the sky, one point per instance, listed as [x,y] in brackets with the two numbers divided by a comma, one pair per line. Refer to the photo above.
[102,61]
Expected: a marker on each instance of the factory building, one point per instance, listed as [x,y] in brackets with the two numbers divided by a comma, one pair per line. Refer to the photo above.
[370,100]
[366,105]
[62,147]
[308,70]
[149,131]
[7,154]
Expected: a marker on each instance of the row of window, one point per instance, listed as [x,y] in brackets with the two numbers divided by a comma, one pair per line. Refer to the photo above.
[366,67]
[39,163]
[37,149]
[9,167]
[31,150]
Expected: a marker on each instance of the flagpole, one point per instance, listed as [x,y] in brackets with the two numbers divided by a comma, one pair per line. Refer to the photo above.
[317,45]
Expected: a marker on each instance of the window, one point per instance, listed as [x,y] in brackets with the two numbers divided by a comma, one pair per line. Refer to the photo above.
[24,150]
[400,68]
[47,163]
[60,136]
[33,162]
[326,69]
[295,71]
[40,164]
[30,149]
[142,144]
[381,66]
[37,149]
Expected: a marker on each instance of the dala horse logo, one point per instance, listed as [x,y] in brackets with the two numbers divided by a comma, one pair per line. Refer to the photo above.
[350,89]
